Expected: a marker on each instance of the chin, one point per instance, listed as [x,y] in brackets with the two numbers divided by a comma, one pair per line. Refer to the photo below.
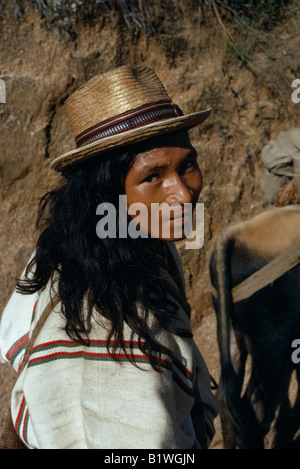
[173,238]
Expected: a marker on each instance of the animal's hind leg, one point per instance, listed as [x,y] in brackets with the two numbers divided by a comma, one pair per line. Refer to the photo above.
[297,401]
[288,422]
[238,353]
[296,437]
[228,433]
[268,393]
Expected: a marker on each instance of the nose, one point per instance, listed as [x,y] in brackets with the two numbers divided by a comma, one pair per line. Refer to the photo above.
[178,191]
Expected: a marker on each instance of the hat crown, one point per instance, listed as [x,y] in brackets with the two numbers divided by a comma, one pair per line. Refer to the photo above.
[120,108]
[111,94]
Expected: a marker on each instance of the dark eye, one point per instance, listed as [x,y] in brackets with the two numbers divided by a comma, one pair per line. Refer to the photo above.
[188,165]
[152,178]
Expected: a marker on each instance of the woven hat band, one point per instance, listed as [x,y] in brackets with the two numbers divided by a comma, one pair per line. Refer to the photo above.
[138,117]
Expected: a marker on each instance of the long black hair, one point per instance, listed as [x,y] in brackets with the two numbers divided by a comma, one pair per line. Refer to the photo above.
[114,275]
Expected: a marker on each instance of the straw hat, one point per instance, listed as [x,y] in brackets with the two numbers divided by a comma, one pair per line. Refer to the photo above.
[121,107]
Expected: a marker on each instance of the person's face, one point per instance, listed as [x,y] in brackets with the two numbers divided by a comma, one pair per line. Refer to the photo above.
[165,173]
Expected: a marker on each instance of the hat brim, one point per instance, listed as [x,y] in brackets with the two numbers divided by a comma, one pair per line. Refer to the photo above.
[127,138]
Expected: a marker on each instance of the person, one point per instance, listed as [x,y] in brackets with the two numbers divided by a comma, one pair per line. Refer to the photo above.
[114,365]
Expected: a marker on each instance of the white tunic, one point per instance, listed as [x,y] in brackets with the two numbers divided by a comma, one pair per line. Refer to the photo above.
[76,396]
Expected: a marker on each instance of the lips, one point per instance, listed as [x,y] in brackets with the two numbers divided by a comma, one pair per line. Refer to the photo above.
[183,215]
[179,217]
[183,219]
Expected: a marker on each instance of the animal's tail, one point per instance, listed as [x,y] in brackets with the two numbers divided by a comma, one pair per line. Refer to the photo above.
[237,410]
